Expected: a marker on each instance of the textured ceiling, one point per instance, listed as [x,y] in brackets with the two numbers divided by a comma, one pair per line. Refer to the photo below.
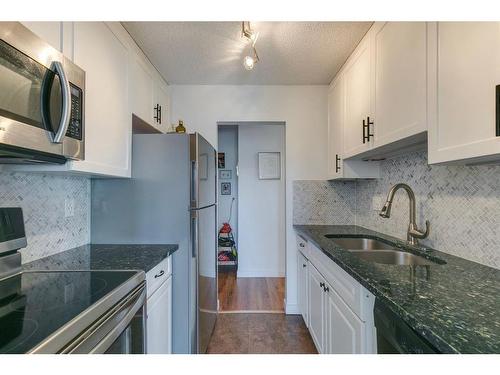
[291,53]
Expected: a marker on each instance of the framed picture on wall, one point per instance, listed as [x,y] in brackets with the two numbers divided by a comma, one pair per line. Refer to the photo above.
[225,188]
[269,166]
[221,160]
[225,174]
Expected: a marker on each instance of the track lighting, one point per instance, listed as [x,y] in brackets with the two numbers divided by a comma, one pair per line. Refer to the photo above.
[249,61]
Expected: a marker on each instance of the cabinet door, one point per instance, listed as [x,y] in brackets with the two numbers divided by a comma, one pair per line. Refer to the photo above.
[162,98]
[108,128]
[357,76]
[159,320]
[466,57]
[141,89]
[335,124]
[400,80]
[344,329]
[50,32]
[302,265]
[316,308]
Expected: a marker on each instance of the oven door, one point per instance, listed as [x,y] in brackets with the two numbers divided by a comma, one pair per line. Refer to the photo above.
[122,330]
[36,97]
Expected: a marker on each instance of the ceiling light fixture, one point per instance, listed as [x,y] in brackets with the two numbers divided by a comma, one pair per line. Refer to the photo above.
[249,61]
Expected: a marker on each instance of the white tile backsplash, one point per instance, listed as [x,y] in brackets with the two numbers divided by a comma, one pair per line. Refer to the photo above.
[462,203]
[43,199]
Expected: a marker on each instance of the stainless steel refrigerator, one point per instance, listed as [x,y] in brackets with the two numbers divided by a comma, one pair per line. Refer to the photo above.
[171,198]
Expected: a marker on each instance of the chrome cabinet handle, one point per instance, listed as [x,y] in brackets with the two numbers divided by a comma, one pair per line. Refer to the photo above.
[322,285]
[326,289]
[159,274]
[66,102]
[304,266]
[302,244]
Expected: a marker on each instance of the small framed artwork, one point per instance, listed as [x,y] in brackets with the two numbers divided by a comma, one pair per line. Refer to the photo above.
[225,174]
[221,160]
[269,166]
[225,188]
[203,167]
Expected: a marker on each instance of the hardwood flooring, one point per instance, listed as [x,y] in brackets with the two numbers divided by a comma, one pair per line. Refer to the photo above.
[260,334]
[250,293]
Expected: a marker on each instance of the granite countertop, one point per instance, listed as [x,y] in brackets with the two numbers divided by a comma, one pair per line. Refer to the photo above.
[455,306]
[105,257]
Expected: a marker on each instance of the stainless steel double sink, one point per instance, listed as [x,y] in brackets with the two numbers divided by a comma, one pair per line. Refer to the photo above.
[377,251]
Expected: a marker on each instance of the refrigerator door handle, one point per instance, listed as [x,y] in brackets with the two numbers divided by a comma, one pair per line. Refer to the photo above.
[194,234]
[194,184]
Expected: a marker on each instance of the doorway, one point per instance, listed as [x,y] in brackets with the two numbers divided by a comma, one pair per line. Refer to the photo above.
[251,196]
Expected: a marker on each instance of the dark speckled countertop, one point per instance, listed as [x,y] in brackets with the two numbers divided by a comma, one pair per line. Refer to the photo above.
[105,257]
[455,306]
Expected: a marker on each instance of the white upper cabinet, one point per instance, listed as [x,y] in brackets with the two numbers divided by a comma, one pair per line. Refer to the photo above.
[400,81]
[149,95]
[162,100]
[141,89]
[335,127]
[338,168]
[358,99]
[103,56]
[465,73]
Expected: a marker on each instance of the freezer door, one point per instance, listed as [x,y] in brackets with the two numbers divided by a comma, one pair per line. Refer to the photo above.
[204,172]
[205,252]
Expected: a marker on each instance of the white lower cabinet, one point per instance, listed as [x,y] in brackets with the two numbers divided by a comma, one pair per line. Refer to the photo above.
[345,331]
[302,265]
[159,309]
[339,309]
[317,316]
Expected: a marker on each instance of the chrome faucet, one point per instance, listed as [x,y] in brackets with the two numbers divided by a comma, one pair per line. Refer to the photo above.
[413,233]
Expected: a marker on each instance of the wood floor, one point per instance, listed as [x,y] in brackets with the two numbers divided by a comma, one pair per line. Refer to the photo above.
[250,293]
[260,334]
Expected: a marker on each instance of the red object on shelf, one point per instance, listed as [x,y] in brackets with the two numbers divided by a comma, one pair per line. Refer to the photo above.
[226,228]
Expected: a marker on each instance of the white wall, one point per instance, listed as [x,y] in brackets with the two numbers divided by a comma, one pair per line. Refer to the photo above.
[228,143]
[302,108]
[261,209]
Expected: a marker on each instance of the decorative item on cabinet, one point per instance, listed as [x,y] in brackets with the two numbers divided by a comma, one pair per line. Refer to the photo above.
[180,128]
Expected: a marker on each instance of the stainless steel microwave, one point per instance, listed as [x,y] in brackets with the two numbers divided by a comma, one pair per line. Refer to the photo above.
[41,100]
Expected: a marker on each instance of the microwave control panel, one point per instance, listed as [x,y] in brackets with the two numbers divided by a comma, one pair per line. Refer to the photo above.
[75,127]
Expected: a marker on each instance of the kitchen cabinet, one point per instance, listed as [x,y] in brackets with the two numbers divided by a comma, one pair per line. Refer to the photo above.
[400,67]
[159,320]
[159,308]
[345,330]
[317,316]
[338,168]
[340,310]
[149,96]
[358,100]
[303,295]
[378,101]
[464,65]
[103,56]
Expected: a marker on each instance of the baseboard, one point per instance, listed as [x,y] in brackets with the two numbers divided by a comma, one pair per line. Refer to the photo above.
[292,309]
[260,273]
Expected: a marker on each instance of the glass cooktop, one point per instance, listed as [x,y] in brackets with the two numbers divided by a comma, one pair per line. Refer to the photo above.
[33,305]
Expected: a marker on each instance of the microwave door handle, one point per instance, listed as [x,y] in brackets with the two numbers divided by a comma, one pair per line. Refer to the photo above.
[66,102]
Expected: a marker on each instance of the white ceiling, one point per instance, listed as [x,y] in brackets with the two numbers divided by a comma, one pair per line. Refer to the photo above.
[291,53]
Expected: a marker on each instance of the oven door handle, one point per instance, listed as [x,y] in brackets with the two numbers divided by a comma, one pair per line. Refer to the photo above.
[103,333]
[66,103]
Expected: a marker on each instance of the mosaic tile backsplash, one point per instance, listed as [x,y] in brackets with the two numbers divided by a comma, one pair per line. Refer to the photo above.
[42,198]
[462,204]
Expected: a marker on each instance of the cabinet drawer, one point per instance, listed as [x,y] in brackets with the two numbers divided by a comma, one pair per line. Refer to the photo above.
[352,292]
[158,275]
